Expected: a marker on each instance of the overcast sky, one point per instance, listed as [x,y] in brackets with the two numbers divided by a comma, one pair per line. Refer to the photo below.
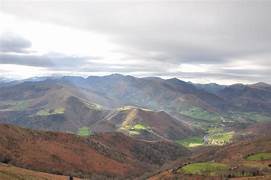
[223,41]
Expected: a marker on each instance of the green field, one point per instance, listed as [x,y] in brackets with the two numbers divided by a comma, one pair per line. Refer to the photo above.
[84,131]
[215,130]
[251,116]
[199,113]
[220,138]
[205,168]
[47,112]
[136,129]
[215,136]
[21,105]
[139,127]
[191,142]
[259,156]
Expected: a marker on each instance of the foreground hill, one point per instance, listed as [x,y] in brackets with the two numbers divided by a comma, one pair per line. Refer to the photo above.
[9,172]
[103,155]
[249,156]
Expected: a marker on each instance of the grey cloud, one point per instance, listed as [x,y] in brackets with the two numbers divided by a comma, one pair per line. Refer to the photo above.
[204,31]
[169,32]
[211,76]
[10,42]
[47,60]
[14,49]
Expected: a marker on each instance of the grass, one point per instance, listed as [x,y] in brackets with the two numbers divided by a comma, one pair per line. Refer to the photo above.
[21,105]
[191,142]
[139,127]
[216,136]
[252,116]
[133,133]
[204,168]
[84,131]
[135,129]
[220,138]
[215,130]
[199,113]
[47,112]
[259,157]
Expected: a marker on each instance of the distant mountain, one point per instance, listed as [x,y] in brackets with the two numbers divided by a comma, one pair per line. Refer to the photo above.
[58,106]
[96,157]
[131,126]
[153,93]
[250,98]
[70,103]
[211,87]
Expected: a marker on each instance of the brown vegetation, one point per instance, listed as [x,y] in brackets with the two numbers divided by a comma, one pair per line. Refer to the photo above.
[108,155]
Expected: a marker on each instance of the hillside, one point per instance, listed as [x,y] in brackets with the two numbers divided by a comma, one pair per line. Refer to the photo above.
[249,98]
[154,117]
[70,103]
[103,155]
[15,173]
[48,105]
[145,124]
[243,158]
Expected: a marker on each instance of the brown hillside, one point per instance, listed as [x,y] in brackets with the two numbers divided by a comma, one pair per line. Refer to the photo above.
[107,155]
[157,124]
[9,172]
[233,155]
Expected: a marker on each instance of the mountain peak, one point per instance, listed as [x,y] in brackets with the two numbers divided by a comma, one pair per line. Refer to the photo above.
[116,75]
[174,79]
[261,84]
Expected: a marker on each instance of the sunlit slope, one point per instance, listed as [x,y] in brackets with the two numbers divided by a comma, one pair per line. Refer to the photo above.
[70,103]
[145,124]
[247,156]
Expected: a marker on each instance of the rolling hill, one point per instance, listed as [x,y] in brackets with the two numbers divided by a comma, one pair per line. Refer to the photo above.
[15,173]
[91,118]
[145,124]
[102,155]
[70,103]
[248,156]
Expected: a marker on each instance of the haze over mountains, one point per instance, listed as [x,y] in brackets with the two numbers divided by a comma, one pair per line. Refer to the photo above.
[54,103]
[136,89]
[159,120]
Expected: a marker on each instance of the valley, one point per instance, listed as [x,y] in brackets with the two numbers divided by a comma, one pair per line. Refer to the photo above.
[143,127]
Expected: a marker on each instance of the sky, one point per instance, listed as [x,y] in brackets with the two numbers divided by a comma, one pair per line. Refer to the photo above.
[203,41]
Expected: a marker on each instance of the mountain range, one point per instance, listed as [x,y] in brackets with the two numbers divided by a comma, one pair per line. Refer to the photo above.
[54,103]
[144,127]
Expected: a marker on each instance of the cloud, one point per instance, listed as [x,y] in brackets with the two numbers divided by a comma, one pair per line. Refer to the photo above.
[182,30]
[163,35]
[16,50]
[50,60]
[10,42]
